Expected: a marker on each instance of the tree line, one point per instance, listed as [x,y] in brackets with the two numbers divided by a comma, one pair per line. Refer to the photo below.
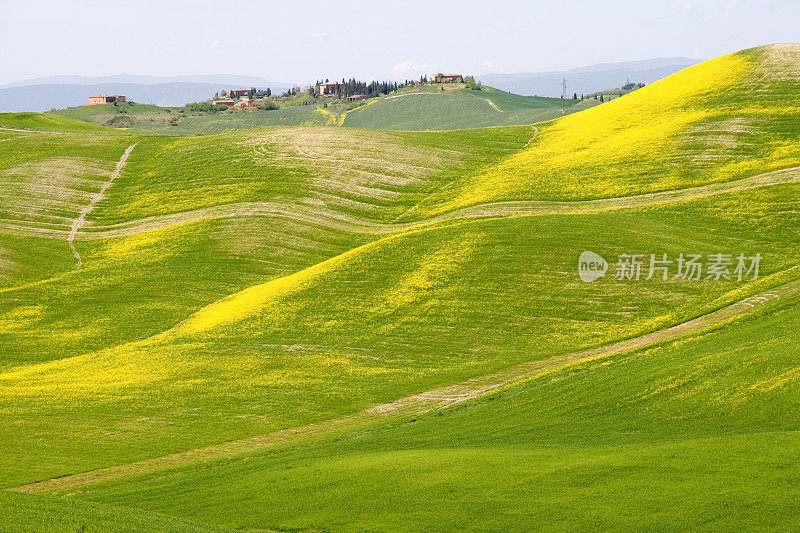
[251,93]
[353,86]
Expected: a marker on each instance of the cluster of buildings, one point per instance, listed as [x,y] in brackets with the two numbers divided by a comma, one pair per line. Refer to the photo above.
[241,98]
[246,103]
[238,99]
[330,88]
[106,99]
[448,78]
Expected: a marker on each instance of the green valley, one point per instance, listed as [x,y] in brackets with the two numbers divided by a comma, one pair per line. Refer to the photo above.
[368,316]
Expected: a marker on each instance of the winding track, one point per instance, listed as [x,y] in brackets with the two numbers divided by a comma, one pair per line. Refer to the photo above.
[81,220]
[409,94]
[492,104]
[2,128]
[13,138]
[336,220]
[412,405]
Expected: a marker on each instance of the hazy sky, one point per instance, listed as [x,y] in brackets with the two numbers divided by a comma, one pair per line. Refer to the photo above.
[299,41]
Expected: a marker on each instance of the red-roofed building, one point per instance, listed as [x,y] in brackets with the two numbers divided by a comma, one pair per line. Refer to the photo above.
[238,93]
[329,87]
[449,78]
[245,104]
[106,99]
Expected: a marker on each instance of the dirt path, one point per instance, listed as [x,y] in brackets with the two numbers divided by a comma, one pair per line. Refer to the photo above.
[492,104]
[79,222]
[412,405]
[478,97]
[345,222]
[447,185]
[402,95]
[533,138]
[37,131]
[341,221]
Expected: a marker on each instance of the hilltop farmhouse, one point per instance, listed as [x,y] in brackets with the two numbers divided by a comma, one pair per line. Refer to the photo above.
[449,78]
[329,87]
[106,99]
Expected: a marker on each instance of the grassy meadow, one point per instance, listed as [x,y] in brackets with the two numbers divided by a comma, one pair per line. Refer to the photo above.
[252,304]
[414,109]
[46,122]
[410,109]
[723,119]
[601,445]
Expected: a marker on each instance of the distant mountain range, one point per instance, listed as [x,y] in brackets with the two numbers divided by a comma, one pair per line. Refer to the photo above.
[43,94]
[589,79]
[214,79]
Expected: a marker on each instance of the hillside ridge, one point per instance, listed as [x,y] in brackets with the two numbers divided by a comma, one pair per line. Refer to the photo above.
[417,404]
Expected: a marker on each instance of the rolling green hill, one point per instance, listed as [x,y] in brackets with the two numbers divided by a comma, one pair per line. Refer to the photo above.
[720,120]
[412,109]
[245,330]
[415,110]
[120,114]
[210,124]
[603,445]
[143,117]
[46,122]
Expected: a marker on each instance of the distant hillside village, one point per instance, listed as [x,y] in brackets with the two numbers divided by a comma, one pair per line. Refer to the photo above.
[352,90]
[343,95]
[346,90]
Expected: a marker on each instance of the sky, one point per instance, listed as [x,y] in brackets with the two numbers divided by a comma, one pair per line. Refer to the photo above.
[300,41]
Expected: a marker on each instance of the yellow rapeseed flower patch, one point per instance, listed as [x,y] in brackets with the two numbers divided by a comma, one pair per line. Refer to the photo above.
[146,242]
[20,317]
[589,154]
[253,300]
[331,118]
[433,271]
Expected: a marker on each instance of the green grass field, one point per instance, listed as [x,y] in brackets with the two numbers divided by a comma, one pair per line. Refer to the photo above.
[46,122]
[412,109]
[120,114]
[322,328]
[601,445]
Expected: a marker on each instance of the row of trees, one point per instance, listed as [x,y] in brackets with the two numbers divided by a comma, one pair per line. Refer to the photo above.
[251,93]
[294,91]
[352,86]
[210,107]
[203,106]
[346,88]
